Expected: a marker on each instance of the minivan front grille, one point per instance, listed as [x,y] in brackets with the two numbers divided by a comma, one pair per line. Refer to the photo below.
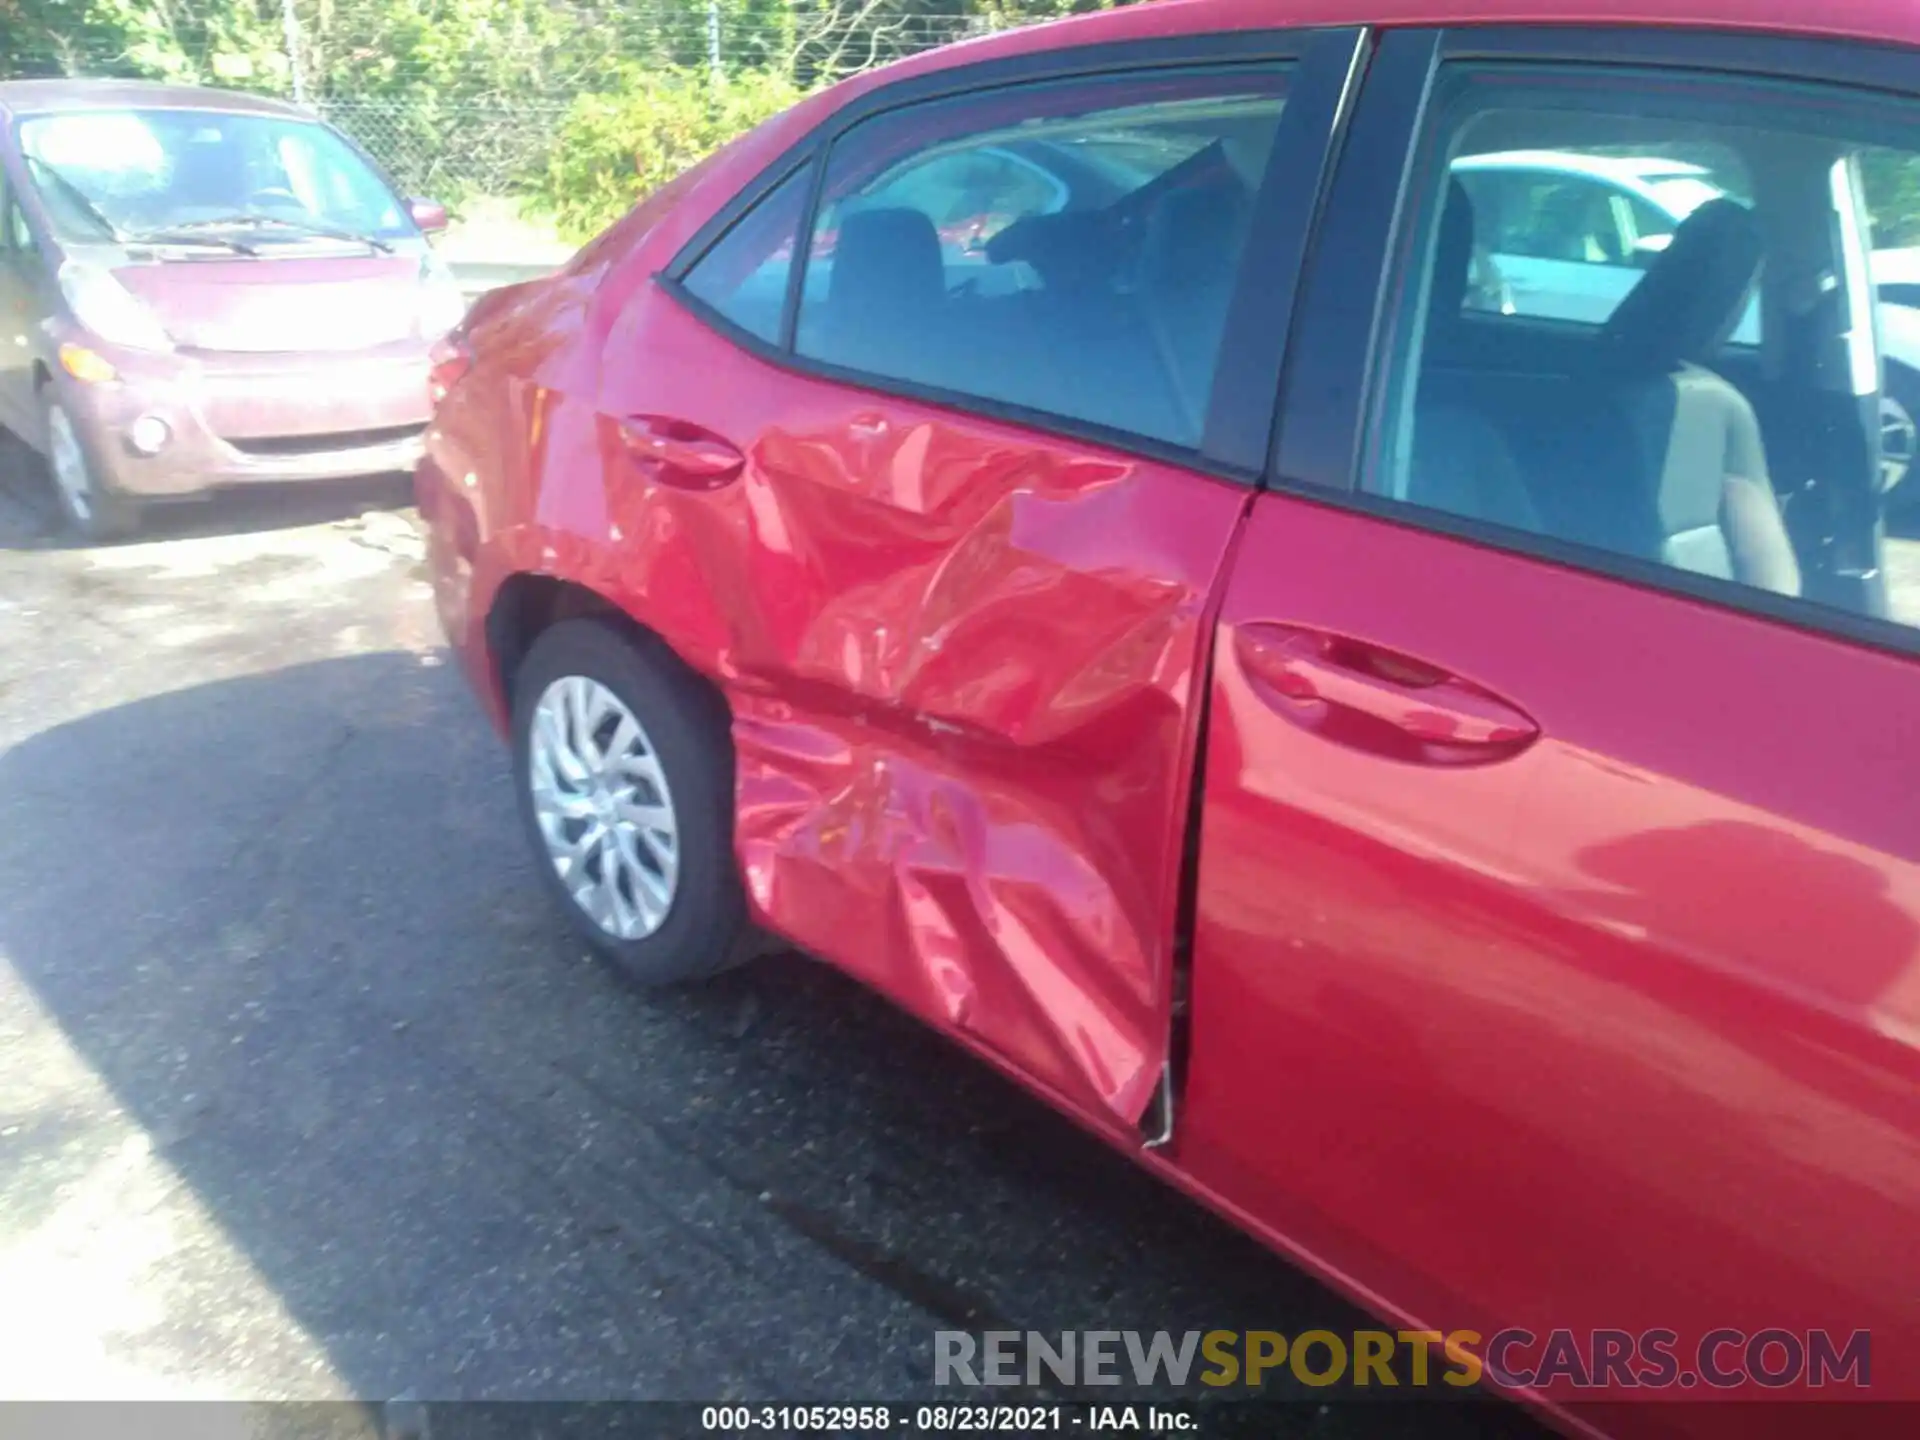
[329,444]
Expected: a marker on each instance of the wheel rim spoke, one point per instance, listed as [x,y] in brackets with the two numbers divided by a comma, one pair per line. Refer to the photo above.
[558,751]
[630,806]
[649,904]
[1899,440]
[626,734]
[603,807]
[622,914]
[570,855]
[639,765]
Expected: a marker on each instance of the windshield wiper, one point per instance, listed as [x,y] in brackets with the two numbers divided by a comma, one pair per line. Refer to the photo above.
[180,237]
[78,196]
[305,227]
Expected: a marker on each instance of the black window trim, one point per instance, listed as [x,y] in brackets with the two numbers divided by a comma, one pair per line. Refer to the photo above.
[1330,403]
[804,157]
[1325,65]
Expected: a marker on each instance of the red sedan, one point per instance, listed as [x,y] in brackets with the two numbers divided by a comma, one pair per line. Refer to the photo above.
[1075,530]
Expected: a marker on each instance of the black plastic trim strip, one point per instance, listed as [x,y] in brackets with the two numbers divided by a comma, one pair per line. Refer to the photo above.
[1247,373]
[1330,351]
[1862,64]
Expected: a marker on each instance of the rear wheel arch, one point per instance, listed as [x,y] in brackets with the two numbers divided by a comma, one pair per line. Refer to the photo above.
[528,604]
[609,717]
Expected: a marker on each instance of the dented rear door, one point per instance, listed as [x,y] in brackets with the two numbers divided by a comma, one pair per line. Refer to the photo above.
[958,584]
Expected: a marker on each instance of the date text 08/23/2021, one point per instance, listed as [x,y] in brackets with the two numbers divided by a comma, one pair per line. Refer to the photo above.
[949,1419]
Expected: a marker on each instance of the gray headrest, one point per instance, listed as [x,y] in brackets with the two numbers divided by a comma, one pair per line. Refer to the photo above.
[1452,257]
[1193,238]
[1693,295]
[886,260]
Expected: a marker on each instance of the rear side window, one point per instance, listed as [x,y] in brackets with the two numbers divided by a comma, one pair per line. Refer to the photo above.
[1069,247]
[1661,217]
[744,276]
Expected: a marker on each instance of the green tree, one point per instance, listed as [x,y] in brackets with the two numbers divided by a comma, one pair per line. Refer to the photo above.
[1892,179]
[586,103]
[617,146]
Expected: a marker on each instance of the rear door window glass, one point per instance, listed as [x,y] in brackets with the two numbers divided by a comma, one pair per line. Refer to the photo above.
[1069,248]
[1655,421]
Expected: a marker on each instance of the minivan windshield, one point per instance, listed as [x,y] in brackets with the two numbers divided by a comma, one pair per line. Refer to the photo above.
[132,174]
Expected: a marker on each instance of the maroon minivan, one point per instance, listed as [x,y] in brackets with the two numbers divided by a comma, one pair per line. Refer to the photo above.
[200,289]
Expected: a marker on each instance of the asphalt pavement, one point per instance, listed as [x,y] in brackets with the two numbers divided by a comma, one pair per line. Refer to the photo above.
[305,1092]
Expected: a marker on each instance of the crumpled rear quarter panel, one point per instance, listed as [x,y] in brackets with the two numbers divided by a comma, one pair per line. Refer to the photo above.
[961,662]
[960,656]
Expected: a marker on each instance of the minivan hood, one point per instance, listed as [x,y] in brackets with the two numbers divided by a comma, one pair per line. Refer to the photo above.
[305,303]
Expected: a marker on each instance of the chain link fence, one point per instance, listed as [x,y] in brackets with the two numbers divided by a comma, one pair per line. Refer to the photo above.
[439,137]
[451,149]
[481,128]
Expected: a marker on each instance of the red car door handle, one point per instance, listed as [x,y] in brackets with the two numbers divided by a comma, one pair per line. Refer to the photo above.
[1376,699]
[675,452]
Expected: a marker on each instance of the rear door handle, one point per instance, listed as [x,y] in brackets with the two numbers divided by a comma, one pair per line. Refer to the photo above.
[676,452]
[1361,695]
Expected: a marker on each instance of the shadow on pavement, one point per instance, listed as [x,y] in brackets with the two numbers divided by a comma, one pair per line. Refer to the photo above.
[289,920]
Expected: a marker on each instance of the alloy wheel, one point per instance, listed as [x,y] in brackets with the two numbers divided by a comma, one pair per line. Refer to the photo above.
[603,807]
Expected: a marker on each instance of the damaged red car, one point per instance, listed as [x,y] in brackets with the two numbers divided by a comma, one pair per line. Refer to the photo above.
[1109,534]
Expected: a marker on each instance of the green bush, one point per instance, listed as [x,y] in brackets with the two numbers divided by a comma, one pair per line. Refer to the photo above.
[612,149]
[1893,196]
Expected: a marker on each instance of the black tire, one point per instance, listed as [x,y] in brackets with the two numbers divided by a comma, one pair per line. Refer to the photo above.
[706,928]
[94,514]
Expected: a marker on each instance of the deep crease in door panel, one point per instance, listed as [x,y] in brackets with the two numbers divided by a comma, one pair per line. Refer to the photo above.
[960,659]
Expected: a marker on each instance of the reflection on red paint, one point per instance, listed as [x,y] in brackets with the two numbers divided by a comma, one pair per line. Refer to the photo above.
[1621,1030]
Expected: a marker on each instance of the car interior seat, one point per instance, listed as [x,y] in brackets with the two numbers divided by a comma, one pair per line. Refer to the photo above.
[1460,461]
[1639,448]
[1705,500]
[1190,257]
[884,296]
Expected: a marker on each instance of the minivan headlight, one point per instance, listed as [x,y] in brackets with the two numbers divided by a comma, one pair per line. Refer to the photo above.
[442,305]
[110,310]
